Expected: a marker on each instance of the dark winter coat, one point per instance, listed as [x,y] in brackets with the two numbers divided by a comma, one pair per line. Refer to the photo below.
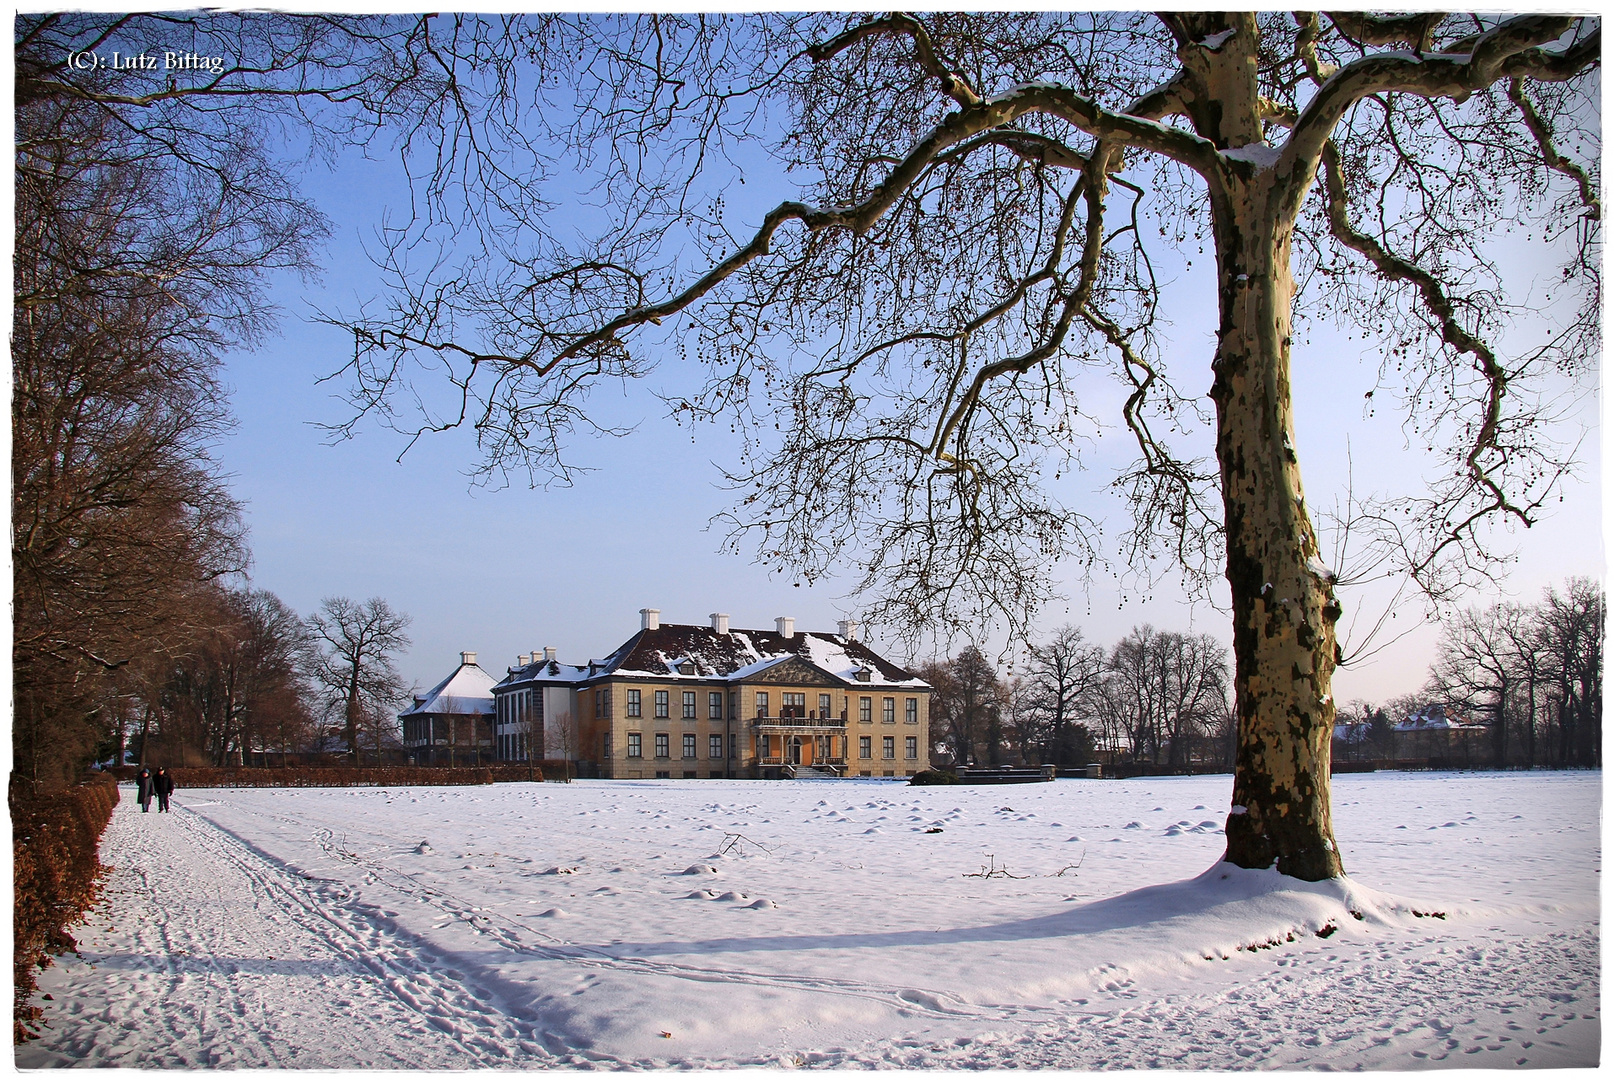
[163,783]
[143,785]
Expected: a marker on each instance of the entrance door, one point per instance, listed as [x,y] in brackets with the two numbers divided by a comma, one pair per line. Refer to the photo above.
[795,750]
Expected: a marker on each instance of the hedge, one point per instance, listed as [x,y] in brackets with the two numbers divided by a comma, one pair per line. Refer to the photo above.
[56,879]
[350,776]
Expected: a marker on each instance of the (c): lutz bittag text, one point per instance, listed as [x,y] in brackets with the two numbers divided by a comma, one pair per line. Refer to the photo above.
[166,61]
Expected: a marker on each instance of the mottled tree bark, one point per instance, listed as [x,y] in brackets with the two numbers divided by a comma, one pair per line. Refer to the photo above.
[1284,608]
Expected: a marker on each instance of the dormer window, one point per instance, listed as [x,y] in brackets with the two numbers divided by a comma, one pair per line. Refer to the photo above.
[864,674]
[687,667]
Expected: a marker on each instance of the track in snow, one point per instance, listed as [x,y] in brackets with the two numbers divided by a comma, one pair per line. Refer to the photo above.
[242,962]
[214,950]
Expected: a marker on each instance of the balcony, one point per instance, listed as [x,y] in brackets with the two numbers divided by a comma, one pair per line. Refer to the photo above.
[788,719]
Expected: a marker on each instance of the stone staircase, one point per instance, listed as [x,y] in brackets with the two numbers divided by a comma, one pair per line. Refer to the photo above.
[809,772]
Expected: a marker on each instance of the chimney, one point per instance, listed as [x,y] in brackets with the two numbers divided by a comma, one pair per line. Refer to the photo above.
[786,626]
[720,623]
[848,629]
[467,657]
[649,618]
[549,654]
[523,660]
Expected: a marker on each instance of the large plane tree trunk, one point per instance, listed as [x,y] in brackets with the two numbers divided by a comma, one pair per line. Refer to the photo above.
[1284,608]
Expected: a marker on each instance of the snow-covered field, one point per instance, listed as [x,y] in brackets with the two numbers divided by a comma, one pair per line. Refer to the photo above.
[1078,924]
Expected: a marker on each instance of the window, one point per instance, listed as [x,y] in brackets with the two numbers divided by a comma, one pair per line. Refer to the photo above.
[734,746]
[734,704]
[662,745]
[602,702]
[635,744]
[662,697]
[864,745]
[825,705]
[689,704]
[762,703]
[689,745]
[911,711]
[633,703]
[714,705]
[888,747]
[888,710]
[865,710]
[911,750]
[605,745]
[714,747]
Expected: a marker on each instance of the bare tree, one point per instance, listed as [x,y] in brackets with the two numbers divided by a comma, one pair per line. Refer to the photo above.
[1168,691]
[1061,686]
[565,743]
[983,203]
[1480,667]
[1573,624]
[356,644]
[967,703]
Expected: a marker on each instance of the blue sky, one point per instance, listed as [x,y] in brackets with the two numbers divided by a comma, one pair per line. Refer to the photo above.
[512,570]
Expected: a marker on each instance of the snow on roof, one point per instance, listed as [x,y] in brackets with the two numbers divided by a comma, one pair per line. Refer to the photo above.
[675,651]
[543,671]
[468,690]
[1436,718]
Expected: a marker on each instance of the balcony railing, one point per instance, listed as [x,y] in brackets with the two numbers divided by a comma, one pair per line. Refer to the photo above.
[798,720]
[817,763]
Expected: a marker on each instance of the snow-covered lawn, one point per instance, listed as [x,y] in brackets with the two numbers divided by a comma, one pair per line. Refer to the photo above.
[1078,924]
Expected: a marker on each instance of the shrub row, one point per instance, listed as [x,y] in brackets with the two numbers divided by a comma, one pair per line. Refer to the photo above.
[56,877]
[349,776]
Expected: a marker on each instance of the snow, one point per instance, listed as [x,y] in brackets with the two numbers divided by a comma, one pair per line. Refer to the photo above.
[1260,155]
[1216,41]
[837,923]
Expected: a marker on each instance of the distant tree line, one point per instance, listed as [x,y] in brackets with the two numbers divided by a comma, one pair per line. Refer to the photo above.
[1530,674]
[150,215]
[1512,686]
[262,686]
[1156,697]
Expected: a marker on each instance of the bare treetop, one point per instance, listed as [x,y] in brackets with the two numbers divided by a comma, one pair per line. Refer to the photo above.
[969,219]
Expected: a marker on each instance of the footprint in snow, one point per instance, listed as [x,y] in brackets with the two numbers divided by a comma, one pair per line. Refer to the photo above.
[1133,825]
[699,868]
[762,905]
[423,848]
[701,894]
[731,896]
[554,913]
[871,830]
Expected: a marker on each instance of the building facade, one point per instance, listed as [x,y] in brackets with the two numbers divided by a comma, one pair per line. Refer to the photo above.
[691,701]
[452,723]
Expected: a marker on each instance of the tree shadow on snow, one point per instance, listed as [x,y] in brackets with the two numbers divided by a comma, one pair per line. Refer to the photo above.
[1226,902]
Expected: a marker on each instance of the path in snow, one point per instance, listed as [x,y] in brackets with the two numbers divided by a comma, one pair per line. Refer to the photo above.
[312,929]
[210,954]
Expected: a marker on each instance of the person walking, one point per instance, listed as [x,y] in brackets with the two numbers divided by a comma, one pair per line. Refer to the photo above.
[163,785]
[143,788]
